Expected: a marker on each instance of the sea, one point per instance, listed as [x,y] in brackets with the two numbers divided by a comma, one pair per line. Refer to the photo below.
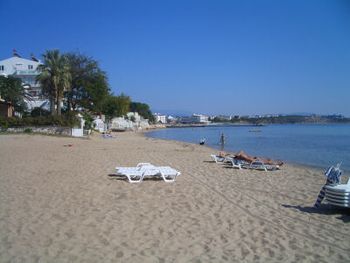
[317,145]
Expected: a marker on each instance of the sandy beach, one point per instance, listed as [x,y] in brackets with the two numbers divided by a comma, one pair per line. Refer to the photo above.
[61,203]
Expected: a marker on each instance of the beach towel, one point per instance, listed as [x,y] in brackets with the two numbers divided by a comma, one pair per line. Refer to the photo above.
[333,175]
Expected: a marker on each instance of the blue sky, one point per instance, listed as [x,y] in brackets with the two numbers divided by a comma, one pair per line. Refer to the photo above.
[229,57]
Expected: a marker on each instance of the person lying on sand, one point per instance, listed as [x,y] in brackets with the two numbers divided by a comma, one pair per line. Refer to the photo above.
[241,155]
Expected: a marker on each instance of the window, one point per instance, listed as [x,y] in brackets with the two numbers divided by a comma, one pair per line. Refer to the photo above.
[2,68]
[30,66]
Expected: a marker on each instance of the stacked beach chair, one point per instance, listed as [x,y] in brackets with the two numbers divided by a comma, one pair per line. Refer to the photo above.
[333,191]
[338,195]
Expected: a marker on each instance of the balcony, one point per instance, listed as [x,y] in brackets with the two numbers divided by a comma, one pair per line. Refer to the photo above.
[26,72]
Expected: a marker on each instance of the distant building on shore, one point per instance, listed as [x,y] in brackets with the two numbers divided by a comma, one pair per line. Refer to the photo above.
[195,118]
[160,118]
[27,71]
[171,119]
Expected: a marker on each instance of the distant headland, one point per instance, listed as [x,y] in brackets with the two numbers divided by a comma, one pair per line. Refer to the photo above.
[199,120]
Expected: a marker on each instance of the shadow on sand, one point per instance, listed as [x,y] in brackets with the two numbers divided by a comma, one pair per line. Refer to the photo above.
[123,178]
[117,177]
[208,162]
[324,210]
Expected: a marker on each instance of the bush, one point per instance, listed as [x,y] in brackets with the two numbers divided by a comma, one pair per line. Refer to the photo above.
[88,121]
[28,130]
[3,124]
[37,111]
[67,120]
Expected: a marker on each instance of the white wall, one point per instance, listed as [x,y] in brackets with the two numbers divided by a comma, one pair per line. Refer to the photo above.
[19,65]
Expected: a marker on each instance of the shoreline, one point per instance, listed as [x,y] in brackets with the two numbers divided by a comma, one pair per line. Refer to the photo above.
[217,150]
[65,204]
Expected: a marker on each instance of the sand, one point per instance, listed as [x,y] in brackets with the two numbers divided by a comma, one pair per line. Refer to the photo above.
[63,204]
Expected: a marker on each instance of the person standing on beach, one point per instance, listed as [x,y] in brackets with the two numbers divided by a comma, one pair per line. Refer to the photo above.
[222,141]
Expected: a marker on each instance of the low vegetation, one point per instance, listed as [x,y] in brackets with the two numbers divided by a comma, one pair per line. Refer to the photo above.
[66,120]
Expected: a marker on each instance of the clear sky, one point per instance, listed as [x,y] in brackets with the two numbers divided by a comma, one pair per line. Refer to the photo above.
[229,57]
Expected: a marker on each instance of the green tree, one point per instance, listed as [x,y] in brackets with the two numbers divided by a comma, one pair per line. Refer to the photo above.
[55,78]
[11,90]
[142,109]
[116,106]
[89,86]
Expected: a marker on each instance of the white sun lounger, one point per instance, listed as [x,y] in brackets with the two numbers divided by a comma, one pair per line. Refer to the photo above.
[259,165]
[139,167]
[217,159]
[256,165]
[146,170]
[236,163]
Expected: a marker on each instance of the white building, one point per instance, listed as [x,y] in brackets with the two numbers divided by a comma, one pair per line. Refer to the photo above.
[199,118]
[196,118]
[134,116]
[26,70]
[133,122]
[171,119]
[160,118]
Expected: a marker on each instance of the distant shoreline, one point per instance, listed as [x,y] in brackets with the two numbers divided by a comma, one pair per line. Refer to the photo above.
[246,124]
[256,132]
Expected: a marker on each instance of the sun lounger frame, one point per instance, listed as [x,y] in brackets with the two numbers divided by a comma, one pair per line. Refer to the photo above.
[147,170]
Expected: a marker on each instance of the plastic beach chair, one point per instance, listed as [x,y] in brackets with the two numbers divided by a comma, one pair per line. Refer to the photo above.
[237,163]
[258,165]
[146,170]
[134,173]
[217,158]
[338,194]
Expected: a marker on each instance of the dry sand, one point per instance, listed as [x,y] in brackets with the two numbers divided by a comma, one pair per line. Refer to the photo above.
[60,204]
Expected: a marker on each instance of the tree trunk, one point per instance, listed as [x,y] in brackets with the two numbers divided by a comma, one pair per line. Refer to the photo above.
[69,102]
[56,98]
[52,106]
[59,104]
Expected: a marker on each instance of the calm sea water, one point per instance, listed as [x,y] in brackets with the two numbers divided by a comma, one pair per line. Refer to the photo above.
[315,145]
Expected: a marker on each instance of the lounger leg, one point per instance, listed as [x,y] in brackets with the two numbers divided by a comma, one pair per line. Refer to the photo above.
[133,181]
[239,166]
[167,180]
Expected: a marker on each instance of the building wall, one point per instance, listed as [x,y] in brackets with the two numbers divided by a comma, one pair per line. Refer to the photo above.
[199,118]
[16,65]
[160,118]
[24,69]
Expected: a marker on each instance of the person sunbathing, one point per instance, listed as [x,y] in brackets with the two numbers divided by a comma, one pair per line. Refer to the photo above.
[223,154]
[241,155]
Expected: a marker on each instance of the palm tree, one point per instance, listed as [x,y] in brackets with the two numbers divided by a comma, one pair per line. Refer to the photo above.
[55,78]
